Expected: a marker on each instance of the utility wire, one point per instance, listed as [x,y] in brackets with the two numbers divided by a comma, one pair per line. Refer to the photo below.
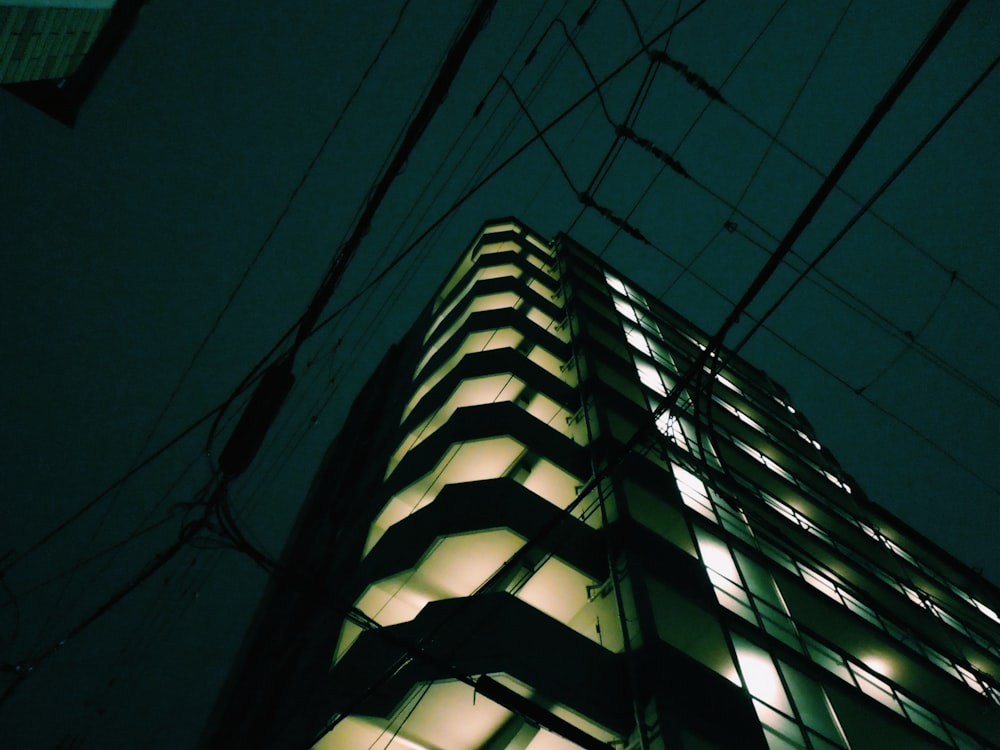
[731,226]
[257,372]
[275,224]
[635,107]
[823,368]
[22,670]
[883,410]
[415,130]
[881,189]
[859,306]
[95,556]
[705,383]
[623,224]
[694,123]
[714,94]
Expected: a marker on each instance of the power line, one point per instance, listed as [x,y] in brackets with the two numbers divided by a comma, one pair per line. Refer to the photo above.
[22,670]
[892,327]
[883,187]
[694,123]
[623,131]
[714,94]
[275,224]
[257,372]
[715,343]
[277,381]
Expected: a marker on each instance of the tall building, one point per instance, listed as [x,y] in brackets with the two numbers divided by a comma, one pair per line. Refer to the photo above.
[511,546]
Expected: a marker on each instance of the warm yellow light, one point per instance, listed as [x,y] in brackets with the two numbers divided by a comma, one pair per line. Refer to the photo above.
[557,590]
[470,392]
[761,677]
[546,740]
[508,227]
[462,462]
[539,244]
[364,732]
[409,744]
[717,556]
[552,483]
[878,664]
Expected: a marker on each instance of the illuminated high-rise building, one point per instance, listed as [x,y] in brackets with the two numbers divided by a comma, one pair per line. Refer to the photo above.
[512,546]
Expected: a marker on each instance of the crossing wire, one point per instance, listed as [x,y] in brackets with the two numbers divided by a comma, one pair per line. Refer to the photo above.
[257,372]
[874,197]
[694,123]
[714,346]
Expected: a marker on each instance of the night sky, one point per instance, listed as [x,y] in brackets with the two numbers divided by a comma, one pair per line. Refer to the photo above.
[123,238]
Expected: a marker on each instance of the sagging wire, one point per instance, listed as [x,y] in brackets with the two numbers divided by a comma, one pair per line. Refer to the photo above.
[257,372]
[12,601]
[714,94]
[911,339]
[26,667]
[583,197]
[697,119]
[882,188]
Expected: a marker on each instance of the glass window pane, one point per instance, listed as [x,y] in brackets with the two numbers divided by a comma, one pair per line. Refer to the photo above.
[781,732]
[760,675]
[828,659]
[811,700]
[924,718]
[821,743]
[876,688]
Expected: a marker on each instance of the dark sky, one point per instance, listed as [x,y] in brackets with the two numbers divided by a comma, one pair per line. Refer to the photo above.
[123,237]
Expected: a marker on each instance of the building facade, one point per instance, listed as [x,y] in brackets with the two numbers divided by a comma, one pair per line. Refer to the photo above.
[53,52]
[44,40]
[513,545]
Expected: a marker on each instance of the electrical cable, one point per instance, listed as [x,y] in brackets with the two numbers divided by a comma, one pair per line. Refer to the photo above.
[631,116]
[755,288]
[275,224]
[774,140]
[859,306]
[421,694]
[914,336]
[479,185]
[25,668]
[694,123]
[414,131]
[704,386]
[880,190]
[94,557]
[734,208]
[65,523]
[952,457]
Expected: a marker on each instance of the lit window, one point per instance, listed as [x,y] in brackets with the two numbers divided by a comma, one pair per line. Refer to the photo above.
[615,283]
[636,338]
[649,376]
[626,309]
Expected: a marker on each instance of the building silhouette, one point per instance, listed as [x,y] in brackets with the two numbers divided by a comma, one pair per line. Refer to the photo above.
[512,546]
[52,52]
